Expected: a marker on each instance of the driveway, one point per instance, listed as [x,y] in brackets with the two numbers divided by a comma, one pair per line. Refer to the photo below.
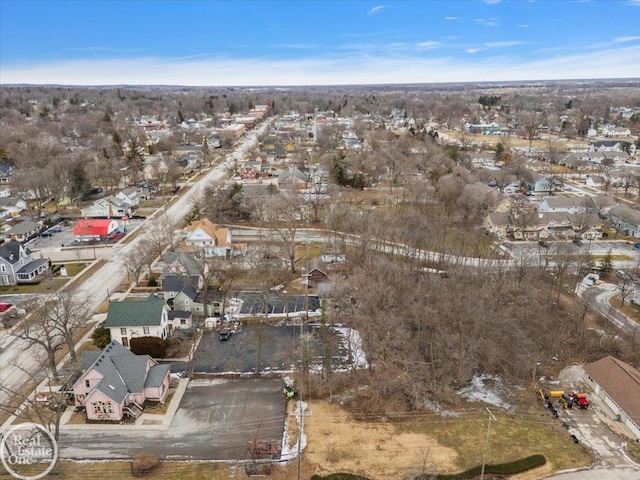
[594,427]
[215,421]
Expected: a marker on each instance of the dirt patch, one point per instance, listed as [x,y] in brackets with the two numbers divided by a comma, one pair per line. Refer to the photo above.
[336,442]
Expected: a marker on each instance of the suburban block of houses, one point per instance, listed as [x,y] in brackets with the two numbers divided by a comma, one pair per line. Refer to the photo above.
[529,224]
[116,383]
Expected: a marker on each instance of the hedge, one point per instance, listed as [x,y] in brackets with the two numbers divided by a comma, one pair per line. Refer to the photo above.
[511,468]
[155,347]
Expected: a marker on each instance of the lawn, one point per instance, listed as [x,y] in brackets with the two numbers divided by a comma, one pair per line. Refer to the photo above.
[46,286]
[513,436]
[630,310]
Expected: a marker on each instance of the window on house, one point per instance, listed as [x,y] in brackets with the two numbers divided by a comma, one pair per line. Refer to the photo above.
[183,321]
[87,383]
[123,331]
[3,268]
[145,330]
[102,407]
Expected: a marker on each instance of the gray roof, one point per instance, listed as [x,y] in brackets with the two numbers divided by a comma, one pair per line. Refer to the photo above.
[188,261]
[123,372]
[175,283]
[34,265]
[11,251]
[24,227]
[179,314]
[625,213]
[156,375]
[189,291]
[135,314]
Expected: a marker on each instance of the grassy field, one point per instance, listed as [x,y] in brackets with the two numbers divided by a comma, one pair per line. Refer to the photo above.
[512,437]
[630,310]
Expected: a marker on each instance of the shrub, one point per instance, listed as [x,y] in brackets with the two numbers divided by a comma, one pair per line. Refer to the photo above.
[155,347]
[510,468]
[153,282]
[101,336]
[143,463]
[339,476]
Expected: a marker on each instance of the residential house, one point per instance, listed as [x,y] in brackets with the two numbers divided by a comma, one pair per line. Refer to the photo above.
[107,207]
[183,263]
[12,205]
[613,131]
[316,272]
[618,384]
[117,382]
[95,228]
[595,181]
[172,285]
[626,220]
[564,205]
[148,318]
[539,183]
[529,224]
[212,240]
[6,171]
[180,320]
[21,229]
[293,177]
[188,299]
[18,266]
[129,195]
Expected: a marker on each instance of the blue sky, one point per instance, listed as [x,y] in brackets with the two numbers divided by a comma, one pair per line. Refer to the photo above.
[316,42]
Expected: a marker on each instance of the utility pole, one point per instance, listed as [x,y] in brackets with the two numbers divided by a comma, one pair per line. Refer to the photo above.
[486,443]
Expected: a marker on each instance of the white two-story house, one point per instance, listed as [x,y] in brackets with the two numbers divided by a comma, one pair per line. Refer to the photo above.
[148,318]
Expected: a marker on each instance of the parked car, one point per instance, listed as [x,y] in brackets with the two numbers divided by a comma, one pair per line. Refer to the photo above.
[225,334]
[543,244]
[578,242]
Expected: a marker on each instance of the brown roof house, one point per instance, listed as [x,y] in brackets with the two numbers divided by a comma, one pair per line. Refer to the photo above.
[618,384]
[117,382]
[213,240]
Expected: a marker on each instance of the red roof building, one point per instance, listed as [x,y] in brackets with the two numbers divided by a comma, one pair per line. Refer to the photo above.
[95,227]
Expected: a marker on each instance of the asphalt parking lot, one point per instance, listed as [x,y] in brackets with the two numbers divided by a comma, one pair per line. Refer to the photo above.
[279,304]
[277,344]
[216,421]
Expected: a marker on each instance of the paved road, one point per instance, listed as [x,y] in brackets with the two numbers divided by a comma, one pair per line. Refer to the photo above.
[617,473]
[598,298]
[215,421]
[107,279]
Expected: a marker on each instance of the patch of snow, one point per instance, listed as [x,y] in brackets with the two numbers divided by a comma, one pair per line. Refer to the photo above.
[287,452]
[486,388]
[437,408]
[353,343]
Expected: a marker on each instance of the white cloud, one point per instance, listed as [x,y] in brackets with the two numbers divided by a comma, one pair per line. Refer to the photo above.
[522,25]
[347,69]
[451,18]
[491,2]
[509,43]
[375,10]
[473,50]
[635,3]
[625,39]
[487,22]
[429,44]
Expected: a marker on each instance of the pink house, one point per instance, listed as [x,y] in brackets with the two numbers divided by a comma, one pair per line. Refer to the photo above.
[117,382]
